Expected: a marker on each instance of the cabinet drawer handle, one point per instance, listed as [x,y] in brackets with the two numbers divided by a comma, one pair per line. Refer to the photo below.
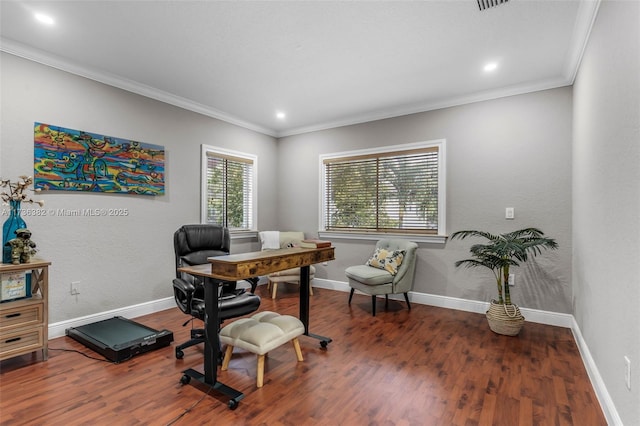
[17,314]
[15,339]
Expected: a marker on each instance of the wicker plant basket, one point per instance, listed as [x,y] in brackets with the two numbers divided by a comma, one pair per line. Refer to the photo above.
[505,319]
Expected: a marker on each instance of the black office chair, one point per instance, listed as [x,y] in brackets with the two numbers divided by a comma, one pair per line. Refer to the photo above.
[193,244]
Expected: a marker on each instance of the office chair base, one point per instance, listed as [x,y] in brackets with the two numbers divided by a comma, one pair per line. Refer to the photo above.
[180,348]
[197,337]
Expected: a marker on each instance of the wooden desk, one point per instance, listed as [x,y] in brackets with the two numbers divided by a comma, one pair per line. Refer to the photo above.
[235,267]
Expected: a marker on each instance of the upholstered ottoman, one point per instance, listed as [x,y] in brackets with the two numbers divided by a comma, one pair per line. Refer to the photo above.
[260,334]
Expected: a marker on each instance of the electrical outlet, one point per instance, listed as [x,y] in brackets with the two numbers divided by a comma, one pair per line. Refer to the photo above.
[627,372]
[509,213]
[512,279]
[75,288]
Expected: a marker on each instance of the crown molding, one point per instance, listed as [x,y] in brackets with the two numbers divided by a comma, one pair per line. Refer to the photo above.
[431,106]
[587,12]
[41,57]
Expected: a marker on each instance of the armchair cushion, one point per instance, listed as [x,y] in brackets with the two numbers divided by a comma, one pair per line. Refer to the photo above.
[368,275]
[389,260]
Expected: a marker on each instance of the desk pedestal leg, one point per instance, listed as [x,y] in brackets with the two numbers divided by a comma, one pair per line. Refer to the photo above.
[304,306]
[211,345]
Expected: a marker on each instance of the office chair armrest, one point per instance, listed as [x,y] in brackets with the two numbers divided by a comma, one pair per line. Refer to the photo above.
[184,286]
[183,294]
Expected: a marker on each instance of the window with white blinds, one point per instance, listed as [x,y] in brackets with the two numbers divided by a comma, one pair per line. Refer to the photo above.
[396,190]
[228,188]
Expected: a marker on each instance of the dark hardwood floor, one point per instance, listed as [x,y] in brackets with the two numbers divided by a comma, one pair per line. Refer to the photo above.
[429,366]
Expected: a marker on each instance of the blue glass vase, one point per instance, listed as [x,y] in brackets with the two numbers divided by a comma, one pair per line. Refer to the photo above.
[13,222]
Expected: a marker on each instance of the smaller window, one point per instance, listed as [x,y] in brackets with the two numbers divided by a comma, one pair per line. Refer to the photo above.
[398,189]
[228,188]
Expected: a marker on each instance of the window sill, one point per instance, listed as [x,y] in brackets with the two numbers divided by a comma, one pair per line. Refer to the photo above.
[374,236]
[243,235]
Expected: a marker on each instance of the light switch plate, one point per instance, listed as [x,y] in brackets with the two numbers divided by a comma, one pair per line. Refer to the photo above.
[509,213]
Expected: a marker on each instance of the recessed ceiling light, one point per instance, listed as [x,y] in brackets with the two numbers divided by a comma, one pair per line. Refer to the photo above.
[490,66]
[45,19]
[281,115]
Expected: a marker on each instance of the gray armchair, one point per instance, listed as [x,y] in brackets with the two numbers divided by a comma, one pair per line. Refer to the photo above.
[389,271]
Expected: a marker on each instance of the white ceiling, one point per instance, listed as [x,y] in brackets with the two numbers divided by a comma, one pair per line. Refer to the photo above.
[323,63]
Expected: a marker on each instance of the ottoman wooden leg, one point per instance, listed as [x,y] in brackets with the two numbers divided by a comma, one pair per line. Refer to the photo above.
[296,345]
[260,371]
[227,357]
[274,290]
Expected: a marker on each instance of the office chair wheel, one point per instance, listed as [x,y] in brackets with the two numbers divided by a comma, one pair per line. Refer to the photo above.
[179,353]
[185,379]
[233,404]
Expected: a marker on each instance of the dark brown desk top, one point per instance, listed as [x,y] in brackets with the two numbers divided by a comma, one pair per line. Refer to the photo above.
[240,266]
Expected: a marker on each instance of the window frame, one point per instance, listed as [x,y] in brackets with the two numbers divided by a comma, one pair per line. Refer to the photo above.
[439,237]
[206,151]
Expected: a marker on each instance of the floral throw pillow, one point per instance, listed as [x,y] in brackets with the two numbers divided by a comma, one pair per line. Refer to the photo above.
[389,260]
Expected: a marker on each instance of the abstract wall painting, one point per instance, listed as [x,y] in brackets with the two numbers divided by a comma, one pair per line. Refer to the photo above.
[76,160]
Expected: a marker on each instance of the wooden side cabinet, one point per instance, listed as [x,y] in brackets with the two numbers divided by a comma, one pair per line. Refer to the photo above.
[24,323]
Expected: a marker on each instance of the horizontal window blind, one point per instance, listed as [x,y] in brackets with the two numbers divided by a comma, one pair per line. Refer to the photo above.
[229,191]
[385,192]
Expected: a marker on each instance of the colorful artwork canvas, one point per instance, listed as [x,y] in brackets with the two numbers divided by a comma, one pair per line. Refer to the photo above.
[76,160]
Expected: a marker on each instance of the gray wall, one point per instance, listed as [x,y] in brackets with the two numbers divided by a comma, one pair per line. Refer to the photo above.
[510,152]
[120,261]
[606,200]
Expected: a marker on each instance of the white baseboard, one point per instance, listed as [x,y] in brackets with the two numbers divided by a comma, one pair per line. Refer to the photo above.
[531,315]
[608,408]
[58,329]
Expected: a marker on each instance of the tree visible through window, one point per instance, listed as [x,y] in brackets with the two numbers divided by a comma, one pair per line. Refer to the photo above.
[398,190]
[228,189]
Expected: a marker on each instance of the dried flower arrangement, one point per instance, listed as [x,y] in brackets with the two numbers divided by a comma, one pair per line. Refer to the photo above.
[17,190]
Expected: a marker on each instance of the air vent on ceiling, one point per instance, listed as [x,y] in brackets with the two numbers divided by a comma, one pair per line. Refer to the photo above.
[486,4]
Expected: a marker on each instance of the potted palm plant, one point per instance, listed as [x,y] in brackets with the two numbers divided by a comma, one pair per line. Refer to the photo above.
[499,254]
